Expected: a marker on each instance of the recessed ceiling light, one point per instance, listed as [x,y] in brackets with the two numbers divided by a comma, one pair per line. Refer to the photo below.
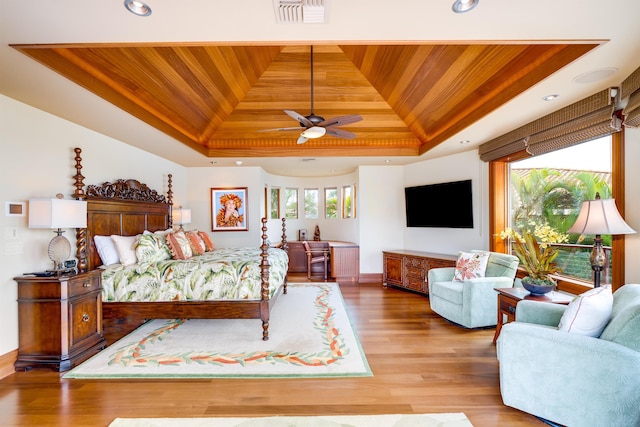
[464,141]
[137,7]
[595,75]
[550,97]
[462,6]
[387,161]
[238,162]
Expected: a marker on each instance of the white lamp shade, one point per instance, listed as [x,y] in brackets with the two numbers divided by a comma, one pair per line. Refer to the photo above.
[57,213]
[181,216]
[600,216]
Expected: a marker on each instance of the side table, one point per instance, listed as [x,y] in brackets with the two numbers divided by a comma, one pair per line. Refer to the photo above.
[60,320]
[508,298]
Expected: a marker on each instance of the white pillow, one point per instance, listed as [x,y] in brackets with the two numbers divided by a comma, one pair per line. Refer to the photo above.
[589,313]
[125,247]
[107,250]
[470,265]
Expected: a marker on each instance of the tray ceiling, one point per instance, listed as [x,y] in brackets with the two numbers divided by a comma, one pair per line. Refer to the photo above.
[216,98]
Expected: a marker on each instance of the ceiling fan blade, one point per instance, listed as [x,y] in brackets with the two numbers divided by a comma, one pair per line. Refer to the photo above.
[280,129]
[342,120]
[302,140]
[340,133]
[299,117]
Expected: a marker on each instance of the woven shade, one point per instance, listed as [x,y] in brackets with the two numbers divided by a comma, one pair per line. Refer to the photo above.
[583,121]
[631,88]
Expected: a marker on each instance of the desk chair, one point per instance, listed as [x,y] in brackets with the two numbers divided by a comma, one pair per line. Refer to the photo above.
[316,256]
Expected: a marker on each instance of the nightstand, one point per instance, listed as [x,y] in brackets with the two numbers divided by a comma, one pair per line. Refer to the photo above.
[508,298]
[60,320]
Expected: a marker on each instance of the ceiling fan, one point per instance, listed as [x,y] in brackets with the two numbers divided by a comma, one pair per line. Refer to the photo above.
[316,126]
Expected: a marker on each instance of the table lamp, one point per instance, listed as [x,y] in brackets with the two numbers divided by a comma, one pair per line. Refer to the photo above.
[599,217]
[181,216]
[58,214]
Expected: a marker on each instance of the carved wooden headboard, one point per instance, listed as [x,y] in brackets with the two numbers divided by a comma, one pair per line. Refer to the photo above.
[123,207]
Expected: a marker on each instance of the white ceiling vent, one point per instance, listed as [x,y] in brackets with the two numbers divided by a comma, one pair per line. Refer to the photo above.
[301,11]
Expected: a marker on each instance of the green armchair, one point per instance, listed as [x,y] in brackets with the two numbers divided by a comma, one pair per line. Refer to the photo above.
[572,379]
[472,303]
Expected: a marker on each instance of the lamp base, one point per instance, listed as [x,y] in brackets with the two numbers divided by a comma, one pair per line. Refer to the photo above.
[59,250]
[598,260]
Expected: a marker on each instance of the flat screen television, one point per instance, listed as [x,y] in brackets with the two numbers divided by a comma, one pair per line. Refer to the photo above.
[445,205]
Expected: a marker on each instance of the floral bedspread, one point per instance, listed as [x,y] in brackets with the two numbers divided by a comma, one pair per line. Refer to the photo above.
[224,274]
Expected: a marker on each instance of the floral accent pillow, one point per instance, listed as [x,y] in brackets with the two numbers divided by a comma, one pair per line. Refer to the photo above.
[589,313]
[196,242]
[151,248]
[208,243]
[470,265]
[179,245]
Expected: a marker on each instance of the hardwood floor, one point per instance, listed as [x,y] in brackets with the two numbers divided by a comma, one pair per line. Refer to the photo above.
[421,364]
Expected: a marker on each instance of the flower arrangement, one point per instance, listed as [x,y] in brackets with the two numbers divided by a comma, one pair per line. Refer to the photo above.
[533,249]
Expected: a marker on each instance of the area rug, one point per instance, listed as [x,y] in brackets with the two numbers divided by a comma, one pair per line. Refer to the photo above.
[310,335]
[396,420]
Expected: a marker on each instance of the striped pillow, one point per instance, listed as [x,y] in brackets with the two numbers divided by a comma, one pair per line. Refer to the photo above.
[179,245]
[197,244]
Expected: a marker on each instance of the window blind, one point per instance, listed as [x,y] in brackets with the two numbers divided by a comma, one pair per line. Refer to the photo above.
[630,87]
[588,119]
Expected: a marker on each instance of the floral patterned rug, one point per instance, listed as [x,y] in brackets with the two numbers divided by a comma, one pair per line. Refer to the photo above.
[310,335]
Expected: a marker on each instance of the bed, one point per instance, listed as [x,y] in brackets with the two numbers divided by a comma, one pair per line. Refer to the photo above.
[131,208]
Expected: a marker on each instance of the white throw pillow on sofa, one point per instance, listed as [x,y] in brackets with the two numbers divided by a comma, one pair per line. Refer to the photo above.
[589,313]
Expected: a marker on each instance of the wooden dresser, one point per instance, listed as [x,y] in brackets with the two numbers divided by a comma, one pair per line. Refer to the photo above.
[408,269]
[60,320]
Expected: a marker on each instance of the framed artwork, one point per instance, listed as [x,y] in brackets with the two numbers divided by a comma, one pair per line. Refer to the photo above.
[229,209]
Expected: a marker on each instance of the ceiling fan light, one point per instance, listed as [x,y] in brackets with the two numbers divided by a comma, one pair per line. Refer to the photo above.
[314,132]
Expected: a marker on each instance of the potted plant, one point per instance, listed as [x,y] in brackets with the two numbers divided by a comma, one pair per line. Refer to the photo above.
[537,256]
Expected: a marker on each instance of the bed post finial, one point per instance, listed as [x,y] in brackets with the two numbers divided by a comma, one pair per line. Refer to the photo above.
[79,193]
[170,199]
[81,233]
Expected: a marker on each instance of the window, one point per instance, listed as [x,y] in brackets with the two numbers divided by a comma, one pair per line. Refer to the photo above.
[348,201]
[331,202]
[311,203]
[291,203]
[275,203]
[550,188]
[511,189]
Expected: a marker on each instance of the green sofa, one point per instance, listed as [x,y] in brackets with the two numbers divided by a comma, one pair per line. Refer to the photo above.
[472,303]
[572,379]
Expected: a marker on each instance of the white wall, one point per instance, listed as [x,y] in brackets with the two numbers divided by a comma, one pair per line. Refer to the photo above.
[381,212]
[452,168]
[38,161]
[632,208]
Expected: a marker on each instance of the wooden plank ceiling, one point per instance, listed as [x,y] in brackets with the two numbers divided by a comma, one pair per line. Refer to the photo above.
[217,98]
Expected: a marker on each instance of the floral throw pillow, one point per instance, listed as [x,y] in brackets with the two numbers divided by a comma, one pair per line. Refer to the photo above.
[151,248]
[470,265]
